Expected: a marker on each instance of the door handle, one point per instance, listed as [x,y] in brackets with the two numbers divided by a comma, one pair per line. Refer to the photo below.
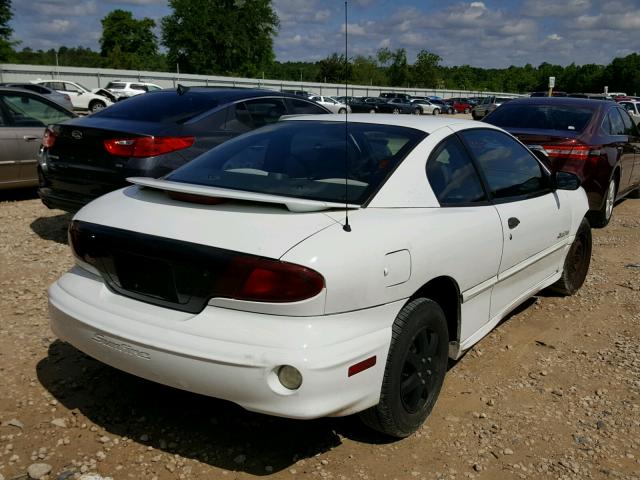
[513,222]
[30,138]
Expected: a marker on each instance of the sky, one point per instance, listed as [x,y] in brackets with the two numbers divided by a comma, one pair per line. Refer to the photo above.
[484,33]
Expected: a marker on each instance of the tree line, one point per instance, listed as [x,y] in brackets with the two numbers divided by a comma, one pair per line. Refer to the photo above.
[236,39]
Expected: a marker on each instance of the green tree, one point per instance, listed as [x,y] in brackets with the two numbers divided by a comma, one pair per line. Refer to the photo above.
[127,42]
[224,37]
[396,66]
[426,71]
[332,69]
[6,45]
[366,71]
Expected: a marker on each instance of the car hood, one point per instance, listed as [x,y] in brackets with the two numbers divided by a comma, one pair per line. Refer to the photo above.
[104,93]
[255,228]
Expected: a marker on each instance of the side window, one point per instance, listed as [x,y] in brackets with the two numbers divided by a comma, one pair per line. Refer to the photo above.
[69,87]
[26,111]
[452,176]
[265,111]
[615,122]
[510,169]
[302,106]
[629,126]
[216,121]
[239,119]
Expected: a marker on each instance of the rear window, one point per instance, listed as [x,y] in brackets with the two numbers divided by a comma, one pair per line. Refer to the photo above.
[116,85]
[163,107]
[304,159]
[544,117]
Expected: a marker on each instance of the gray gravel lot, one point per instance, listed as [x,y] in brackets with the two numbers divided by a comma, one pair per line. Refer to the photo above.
[552,393]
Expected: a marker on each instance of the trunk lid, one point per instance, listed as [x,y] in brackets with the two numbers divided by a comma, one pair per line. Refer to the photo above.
[256,228]
[78,161]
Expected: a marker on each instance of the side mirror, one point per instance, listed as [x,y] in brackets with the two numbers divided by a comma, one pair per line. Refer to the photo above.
[565,181]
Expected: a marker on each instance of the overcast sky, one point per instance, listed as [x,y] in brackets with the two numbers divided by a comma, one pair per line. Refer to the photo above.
[489,33]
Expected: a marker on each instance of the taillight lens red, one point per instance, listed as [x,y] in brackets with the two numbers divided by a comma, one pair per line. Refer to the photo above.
[146,146]
[263,280]
[49,138]
[573,151]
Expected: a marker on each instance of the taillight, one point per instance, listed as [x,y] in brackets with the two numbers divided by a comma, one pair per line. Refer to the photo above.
[146,146]
[263,280]
[49,137]
[576,152]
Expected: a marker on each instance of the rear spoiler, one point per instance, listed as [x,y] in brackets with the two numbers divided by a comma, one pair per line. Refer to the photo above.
[298,205]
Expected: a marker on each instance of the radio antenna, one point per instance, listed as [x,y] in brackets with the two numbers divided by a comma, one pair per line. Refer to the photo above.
[346,227]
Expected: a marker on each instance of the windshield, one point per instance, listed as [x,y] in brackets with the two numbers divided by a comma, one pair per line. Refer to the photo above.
[305,159]
[545,117]
[161,106]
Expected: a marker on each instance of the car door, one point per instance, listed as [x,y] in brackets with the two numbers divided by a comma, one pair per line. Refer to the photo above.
[535,220]
[633,138]
[27,116]
[457,185]
[78,99]
[9,158]
[625,149]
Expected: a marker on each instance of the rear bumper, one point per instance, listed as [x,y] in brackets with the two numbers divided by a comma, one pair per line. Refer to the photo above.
[229,354]
[60,200]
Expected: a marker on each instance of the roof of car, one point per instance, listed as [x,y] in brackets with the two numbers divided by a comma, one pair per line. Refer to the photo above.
[566,101]
[427,124]
[231,94]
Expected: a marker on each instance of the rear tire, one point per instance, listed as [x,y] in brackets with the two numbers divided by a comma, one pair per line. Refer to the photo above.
[372,110]
[396,111]
[414,372]
[466,110]
[576,264]
[602,217]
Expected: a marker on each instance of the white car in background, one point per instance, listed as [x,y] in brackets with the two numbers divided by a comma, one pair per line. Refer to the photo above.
[130,89]
[81,97]
[633,107]
[237,275]
[330,103]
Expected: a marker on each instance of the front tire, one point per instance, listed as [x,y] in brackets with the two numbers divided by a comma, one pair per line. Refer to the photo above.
[466,110]
[576,264]
[414,372]
[436,111]
[96,106]
[372,110]
[417,111]
[342,110]
[396,111]
[602,217]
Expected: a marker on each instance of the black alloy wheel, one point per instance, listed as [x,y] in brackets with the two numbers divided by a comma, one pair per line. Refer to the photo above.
[414,371]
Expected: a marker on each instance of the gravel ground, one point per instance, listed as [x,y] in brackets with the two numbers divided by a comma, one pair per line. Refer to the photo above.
[552,393]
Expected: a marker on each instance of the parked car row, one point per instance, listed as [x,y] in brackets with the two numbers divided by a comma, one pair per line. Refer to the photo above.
[303,266]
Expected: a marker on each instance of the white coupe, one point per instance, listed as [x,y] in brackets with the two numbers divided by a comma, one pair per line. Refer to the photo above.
[237,276]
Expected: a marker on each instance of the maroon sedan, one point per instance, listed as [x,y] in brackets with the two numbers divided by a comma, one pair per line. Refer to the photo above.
[595,139]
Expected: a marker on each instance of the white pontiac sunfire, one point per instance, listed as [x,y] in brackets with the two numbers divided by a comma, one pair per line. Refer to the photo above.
[236,277]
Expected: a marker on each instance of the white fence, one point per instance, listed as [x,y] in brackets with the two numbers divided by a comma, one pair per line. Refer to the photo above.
[99,77]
